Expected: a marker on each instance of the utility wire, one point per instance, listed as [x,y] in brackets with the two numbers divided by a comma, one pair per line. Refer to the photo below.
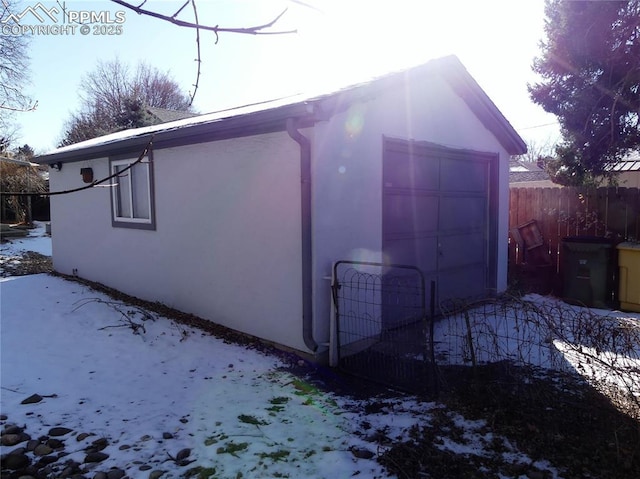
[538,126]
[94,183]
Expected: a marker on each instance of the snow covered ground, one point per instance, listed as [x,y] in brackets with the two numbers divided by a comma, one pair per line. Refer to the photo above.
[168,398]
[233,407]
[37,241]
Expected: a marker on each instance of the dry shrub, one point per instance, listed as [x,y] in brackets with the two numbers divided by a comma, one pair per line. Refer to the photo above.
[21,178]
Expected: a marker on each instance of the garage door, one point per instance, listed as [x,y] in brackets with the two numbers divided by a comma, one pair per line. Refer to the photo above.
[437,215]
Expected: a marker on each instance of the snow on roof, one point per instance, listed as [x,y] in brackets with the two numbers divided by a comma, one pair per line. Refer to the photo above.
[298,105]
[17,162]
[630,163]
[212,117]
[627,166]
[177,124]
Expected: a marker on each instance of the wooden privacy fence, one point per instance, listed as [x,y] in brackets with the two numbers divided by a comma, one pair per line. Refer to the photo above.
[562,212]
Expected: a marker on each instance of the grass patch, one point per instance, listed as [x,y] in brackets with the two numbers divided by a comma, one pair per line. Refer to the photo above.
[248,419]
[200,472]
[233,448]
[277,405]
[280,455]
[303,388]
[211,440]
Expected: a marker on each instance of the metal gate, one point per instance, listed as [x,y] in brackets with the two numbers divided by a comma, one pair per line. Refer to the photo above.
[383,332]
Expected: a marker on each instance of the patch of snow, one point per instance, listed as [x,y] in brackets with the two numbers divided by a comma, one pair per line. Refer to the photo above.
[169,388]
[212,397]
[37,241]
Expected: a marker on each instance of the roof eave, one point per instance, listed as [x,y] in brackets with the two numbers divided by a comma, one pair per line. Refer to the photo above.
[170,136]
[479,102]
[274,119]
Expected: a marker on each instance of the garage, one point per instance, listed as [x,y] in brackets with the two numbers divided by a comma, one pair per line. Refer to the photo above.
[439,214]
[410,168]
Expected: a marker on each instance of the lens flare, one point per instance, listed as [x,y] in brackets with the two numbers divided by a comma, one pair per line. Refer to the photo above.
[355,121]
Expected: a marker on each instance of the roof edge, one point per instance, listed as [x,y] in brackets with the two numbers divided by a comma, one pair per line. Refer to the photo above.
[218,127]
[171,134]
[463,83]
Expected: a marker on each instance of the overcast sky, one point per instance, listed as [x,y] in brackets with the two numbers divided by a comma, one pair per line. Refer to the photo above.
[338,42]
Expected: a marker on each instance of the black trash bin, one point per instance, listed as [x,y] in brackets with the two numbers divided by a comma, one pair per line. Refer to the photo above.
[588,271]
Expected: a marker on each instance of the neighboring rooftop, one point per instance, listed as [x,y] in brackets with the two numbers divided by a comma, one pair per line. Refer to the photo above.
[631,162]
[164,115]
[529,172]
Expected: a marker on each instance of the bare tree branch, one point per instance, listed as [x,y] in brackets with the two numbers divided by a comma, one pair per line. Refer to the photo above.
[217,29]
[195,85]
[180,9]
[14,71]
[307,5]
[63,6]
[31,107]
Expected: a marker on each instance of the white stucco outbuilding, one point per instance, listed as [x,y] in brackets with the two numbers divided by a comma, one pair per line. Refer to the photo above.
[238,216]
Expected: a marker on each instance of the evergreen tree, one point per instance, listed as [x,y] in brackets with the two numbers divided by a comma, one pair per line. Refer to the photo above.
[590,69]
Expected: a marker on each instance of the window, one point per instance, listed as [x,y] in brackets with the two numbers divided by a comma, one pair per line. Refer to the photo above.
[132,195]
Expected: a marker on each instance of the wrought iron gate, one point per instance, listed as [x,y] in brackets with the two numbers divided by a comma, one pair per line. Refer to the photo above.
[383,332]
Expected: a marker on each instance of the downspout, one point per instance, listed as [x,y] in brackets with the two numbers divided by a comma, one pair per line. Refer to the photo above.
[305,210]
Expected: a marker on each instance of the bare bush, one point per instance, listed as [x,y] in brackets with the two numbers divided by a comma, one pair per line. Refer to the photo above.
[18,177]
[549,334]
[132,317]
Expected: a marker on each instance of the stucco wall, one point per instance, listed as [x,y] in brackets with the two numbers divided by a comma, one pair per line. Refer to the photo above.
[347,174]
[227,242]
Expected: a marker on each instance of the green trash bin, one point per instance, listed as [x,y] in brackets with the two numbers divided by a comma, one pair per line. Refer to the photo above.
[588,271]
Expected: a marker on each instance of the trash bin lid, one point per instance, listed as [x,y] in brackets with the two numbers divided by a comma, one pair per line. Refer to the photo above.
[587,239]
[629,245]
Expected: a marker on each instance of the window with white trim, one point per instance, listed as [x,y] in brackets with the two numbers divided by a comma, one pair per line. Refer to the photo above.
[132,204]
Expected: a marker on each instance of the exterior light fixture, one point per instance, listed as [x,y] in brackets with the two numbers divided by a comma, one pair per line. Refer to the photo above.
[87,174]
